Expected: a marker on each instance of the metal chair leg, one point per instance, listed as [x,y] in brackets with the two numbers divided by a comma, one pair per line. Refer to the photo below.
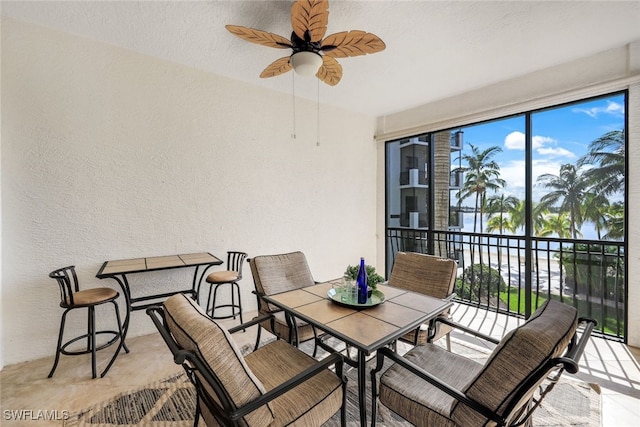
[315,342]
[211,301]
[258,338]
[92,339]
[237,288]
[113,358]
[59,347]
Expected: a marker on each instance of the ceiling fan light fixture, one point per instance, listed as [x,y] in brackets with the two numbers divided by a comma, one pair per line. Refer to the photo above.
[313,53]
[306,63]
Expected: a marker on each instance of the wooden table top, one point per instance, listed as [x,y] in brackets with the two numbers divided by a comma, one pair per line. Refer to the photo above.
[366,329]
[138,265]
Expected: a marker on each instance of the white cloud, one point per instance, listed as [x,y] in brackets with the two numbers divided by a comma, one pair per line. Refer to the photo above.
[514,141]
[612,108]
[556,152]
[540,141]
[544,145]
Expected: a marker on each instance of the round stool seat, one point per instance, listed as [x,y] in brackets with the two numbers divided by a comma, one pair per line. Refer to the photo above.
[222,276]
[93,296]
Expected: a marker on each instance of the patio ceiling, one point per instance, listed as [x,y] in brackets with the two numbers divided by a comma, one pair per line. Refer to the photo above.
[435,49]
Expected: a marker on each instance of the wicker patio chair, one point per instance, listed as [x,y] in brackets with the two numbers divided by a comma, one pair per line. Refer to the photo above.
[429,275]
[273,274]
[430,386]
[276,385]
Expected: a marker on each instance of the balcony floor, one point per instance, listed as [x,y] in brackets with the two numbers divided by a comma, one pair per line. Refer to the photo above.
[24,386]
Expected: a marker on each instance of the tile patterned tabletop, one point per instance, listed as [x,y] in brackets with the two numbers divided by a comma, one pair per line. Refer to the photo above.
[366,329]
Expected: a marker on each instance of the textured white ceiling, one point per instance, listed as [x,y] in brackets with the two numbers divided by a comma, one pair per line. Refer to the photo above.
[435,49]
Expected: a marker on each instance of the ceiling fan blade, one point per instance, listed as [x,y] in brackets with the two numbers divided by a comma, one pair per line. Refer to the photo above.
[259,37]
[277,67]
[330,72]
[310,16]
[351,43]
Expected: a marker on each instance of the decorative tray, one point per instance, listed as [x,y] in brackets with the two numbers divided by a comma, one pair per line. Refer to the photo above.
[349,300]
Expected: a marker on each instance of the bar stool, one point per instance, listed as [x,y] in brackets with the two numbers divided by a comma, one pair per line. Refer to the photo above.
[231,276]
[71,298]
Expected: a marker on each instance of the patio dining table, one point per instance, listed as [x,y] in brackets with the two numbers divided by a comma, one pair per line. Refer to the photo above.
[364,329]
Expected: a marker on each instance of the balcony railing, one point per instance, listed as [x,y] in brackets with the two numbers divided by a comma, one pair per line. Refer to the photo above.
[514,275]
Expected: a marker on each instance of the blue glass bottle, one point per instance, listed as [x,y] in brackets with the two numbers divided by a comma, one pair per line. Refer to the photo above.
[361,282]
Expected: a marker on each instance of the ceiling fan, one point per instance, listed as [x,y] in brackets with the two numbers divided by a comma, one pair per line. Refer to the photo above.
[312,52]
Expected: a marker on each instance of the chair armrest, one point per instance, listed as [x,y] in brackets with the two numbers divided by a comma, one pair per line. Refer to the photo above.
[259,295]
[450,297]
[571,359]
[418,371]
[333,359]
[251,322]
[157,317]
[466,329]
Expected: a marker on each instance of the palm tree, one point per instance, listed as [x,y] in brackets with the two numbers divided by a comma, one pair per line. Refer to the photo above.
[608,154]
[496,207]
[568,189]
[595,209]
[499,224]
[518,216]
[615,222]
[559,224]
[481,175]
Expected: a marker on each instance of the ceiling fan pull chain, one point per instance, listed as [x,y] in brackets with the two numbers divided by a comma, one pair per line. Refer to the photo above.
[318,115]
[293,95]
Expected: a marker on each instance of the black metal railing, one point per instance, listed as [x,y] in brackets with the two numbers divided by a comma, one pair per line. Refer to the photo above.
[514,275]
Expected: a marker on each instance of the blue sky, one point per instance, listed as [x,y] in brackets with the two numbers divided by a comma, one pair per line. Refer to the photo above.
[561,135]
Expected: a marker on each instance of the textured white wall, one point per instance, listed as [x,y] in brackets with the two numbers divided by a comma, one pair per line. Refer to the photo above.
[109,154]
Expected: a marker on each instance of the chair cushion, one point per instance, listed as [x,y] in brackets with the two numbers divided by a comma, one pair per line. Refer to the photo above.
[222,276]
[309,404]
[193,330]
[417,400]
[545,335]
[426,274]
[273,274]
[92,296]
[429,275]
